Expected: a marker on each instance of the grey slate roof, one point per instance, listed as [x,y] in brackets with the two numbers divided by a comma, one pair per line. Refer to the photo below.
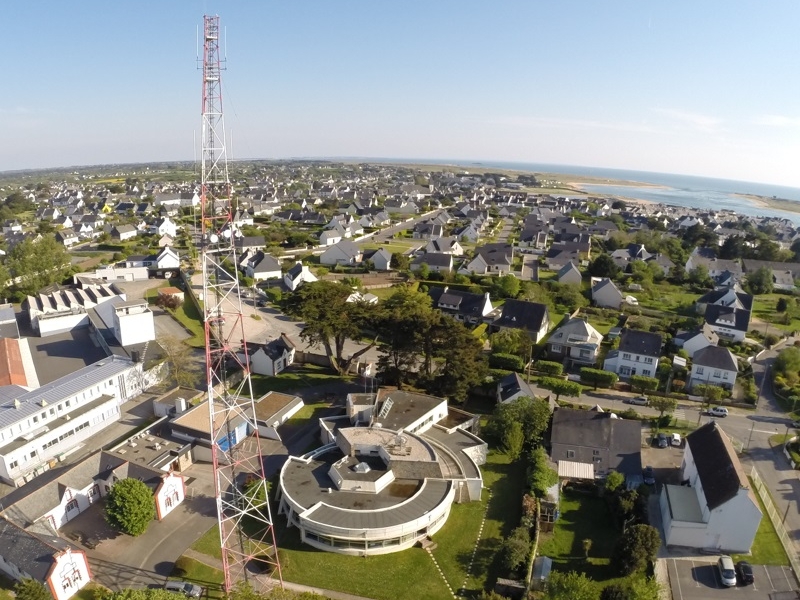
[718,468]
[645,343]
[519,314]
[725,316]
[466,303]
[29,552]
[715,357]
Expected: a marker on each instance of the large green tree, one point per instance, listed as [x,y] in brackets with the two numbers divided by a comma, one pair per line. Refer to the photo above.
[330,320]
[130,506]
[637,547]
[760,281]
[37,264]
[532,413]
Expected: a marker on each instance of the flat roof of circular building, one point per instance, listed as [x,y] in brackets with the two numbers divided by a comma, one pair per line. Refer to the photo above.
[418,487]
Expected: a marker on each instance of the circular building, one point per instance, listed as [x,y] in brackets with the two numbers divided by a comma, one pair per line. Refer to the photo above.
[374,490]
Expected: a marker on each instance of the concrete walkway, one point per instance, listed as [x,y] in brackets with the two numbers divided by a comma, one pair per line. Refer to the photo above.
[295,587]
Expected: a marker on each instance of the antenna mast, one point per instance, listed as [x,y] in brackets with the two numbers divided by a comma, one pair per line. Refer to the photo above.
[247,537]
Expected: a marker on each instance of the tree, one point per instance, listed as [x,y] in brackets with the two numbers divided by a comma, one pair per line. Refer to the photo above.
[711,394]
[184,368]
[636,548]
[699,277]
[424,271]
[511,341]
[30,589]
[570,586]
[759,281]
[561,387]
[513,440]
[130,506]
[614,481]
[644,383]
[781,305]
[505,286]
[461,362]
[663,405]
[37,264]
[603,266]
[330,320]
[515,549]
[400,261]
[542,476]
[532,413]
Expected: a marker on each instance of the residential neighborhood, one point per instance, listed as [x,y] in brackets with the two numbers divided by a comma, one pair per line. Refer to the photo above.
[425,349]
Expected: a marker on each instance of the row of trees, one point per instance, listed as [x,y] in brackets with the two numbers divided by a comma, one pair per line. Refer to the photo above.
[415,340]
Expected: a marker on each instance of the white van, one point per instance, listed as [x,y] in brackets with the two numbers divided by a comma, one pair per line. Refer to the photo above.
[727,572]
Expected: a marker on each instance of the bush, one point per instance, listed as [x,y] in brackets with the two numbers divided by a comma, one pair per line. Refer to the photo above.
[598,377]
[509,362]
[770,340]
[515,549]
[549,367]
[637,547]
[274,294]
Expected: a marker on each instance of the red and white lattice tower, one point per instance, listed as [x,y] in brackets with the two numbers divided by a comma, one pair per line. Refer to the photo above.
[247,537]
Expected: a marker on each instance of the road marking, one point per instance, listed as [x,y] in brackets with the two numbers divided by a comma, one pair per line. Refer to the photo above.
[680,414]
[695,575]
[677,578]
[788,581]
[770,578]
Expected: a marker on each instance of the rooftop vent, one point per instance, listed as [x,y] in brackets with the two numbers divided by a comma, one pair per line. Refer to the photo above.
[121,451]
[361,467]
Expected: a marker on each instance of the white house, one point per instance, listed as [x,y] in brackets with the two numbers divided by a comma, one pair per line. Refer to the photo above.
[330,237]
[381,259]
[575,341]
[165,226]
[605,293]
[297,275]
[638,354]
[39,426]
[343,252]
[445,245]
[713,365]
[262,266]
[692,341]
[271,357]
[717,510]
[272,410]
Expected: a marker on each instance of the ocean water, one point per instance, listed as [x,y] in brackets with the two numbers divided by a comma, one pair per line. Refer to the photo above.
[676,190]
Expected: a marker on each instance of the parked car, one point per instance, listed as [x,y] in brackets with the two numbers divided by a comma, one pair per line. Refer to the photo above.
[638,401]
[649,475]
[661,440]
[189,590]
[675,440]
[727,572]
[796,424]
[744,571]
[717,411]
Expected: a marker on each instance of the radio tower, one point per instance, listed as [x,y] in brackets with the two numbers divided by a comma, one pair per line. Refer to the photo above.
[247,537]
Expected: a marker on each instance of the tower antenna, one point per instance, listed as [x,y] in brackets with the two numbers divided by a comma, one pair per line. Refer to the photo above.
[247,536]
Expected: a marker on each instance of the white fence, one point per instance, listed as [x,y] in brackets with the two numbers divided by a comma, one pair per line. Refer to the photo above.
[775,517]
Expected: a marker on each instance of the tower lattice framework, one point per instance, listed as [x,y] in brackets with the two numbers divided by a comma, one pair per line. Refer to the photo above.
[247,537]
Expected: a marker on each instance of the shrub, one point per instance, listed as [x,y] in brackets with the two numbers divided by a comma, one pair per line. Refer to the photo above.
[598,377]
[509,362]
[549,367]
[274,294]
[636,548]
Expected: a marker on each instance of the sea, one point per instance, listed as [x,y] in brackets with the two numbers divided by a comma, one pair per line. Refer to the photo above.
[676,190]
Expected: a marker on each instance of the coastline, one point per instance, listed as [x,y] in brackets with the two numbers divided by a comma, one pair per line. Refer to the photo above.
[771,202]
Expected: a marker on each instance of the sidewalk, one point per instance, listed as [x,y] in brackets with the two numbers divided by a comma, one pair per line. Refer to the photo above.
[295,587]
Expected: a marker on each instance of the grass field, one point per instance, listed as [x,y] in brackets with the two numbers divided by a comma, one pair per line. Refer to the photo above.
[387,577]
[209,578]
[767,548]
[764,309]
[294,378]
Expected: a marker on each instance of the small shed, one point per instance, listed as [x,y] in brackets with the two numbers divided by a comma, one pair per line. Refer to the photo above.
[510,588]
[171,291]
[541,572]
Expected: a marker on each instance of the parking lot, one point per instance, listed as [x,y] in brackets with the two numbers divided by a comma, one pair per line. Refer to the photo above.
[698,579]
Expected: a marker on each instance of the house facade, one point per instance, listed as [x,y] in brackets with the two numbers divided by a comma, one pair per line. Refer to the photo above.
[713,365]
[576,342]
[297,276]
[717,510]
[272,357]
[532,317]
[638,354]
[605,293]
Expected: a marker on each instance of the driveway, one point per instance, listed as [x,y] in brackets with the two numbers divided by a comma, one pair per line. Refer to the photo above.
[120,561]
[698,579]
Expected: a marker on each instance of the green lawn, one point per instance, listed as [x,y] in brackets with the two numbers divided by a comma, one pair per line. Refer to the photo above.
[6,588]
[186,314]
[209,578]
[767,548]
[764,309]
[294,378]
[582,517]
[209,543]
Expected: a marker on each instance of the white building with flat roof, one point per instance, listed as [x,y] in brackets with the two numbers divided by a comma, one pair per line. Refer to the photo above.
[39,427]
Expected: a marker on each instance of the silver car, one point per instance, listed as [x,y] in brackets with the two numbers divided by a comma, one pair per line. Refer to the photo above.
[189,590]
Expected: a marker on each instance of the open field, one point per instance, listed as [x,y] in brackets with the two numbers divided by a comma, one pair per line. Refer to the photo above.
[209,578]
[767,548]
[294,378]
[764,310]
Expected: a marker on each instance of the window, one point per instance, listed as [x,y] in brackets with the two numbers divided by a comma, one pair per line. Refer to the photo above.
[35,419]
[33,454]
[717,373]
[13,465]
[556,347]
[648,360]
[626,356]
[725,375]
[597,459]
[699,370]
[44,416]
[72,505]
[570,453]
[596,452]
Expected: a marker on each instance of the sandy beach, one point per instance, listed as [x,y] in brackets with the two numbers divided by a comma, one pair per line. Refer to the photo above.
[771,202]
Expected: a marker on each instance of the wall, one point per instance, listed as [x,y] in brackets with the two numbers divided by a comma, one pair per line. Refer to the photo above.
[68,322]
[69,574]
[169,495]
[134,328]
[85,498]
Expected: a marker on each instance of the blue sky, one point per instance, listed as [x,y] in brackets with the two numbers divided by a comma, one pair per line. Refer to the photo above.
[701,88]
